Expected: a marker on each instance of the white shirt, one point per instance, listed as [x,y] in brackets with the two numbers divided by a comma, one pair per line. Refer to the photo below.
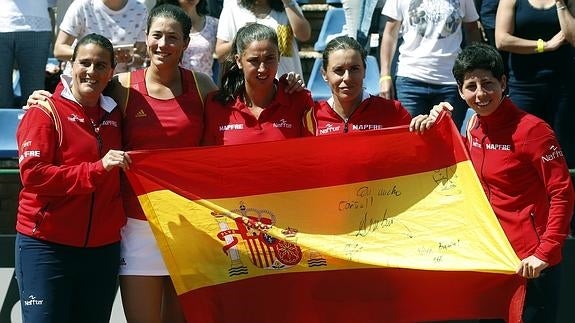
[199,56]
[432,36]
[122,27]
[24,15]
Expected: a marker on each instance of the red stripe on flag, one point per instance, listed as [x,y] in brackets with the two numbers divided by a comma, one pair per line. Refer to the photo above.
[238,171]
[362,295]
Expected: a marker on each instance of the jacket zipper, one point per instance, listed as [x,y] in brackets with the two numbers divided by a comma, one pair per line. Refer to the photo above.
[483,164]
[346,122]
[96,132]
[92,197]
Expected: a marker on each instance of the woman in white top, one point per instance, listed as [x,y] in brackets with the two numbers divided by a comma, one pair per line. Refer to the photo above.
[123,22]
[283,16]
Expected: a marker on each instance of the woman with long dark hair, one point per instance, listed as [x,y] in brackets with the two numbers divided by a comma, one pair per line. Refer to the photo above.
[252,105]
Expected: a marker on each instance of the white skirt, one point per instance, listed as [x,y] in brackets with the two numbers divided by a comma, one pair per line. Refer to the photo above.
[140,255]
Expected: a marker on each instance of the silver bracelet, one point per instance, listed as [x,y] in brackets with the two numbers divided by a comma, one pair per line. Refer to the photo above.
[562,7]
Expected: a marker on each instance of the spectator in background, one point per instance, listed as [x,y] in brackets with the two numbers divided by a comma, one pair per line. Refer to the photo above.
[61,8]
[52,5]
[25,37]
[53,66]
[541,69]
[432,36]
[283,16]
[215,7]
[358,19]
[121,21]
[487,12]
[199,56]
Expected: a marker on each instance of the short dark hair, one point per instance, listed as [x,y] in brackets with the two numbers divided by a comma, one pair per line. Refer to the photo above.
[343,42]
[99,40]
[478,56]
[172,12]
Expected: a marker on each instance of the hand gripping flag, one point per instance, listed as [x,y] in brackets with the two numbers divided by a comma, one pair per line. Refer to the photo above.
[383,226]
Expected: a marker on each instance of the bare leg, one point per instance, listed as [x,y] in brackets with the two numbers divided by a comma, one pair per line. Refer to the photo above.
[142,298]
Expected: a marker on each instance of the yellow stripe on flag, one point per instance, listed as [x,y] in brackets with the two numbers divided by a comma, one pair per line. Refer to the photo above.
[390,222]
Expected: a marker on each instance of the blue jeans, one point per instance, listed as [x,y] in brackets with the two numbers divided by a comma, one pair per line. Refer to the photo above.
[65,284]
[358,15]
[29,49]
[419,97]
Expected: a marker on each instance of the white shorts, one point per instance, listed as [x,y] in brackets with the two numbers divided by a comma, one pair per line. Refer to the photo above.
[140,255]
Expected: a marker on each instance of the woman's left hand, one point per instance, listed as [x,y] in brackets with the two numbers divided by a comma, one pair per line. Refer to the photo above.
[531,267]
[554,43]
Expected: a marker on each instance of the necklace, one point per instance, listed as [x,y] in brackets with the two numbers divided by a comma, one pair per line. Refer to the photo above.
[97,123]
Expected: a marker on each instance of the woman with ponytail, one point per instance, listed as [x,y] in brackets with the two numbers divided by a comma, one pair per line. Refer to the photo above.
[252,105]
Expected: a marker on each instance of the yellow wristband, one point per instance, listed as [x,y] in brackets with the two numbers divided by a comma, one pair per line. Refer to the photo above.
[384,78]
[540,46]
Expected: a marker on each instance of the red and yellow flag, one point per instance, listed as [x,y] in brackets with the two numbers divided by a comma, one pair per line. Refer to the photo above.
[384,226]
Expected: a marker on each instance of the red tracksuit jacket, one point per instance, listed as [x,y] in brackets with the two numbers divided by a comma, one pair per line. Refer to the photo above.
[372,114]
[68,197]
[525,177]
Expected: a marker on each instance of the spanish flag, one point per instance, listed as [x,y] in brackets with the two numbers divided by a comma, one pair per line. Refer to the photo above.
[383,226]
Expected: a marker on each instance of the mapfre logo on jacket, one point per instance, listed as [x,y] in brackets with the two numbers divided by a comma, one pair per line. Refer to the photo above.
[283,123]
[553,153]
[329,128]
[491,146]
